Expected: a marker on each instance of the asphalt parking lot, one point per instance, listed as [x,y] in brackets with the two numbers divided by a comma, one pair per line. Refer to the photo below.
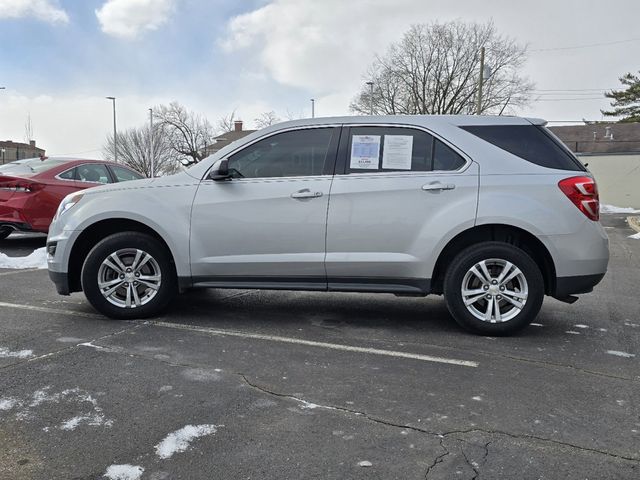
[266,384]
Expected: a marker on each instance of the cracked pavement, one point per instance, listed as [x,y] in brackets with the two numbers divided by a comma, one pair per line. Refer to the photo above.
[545,404]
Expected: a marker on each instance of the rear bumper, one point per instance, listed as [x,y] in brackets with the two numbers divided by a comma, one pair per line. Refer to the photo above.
[61,281]
[566,286]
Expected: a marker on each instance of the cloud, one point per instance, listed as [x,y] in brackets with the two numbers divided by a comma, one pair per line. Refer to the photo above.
[321,46]
[130,18]
[45,10]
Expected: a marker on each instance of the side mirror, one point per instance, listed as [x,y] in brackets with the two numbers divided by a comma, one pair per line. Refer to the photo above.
[222,172]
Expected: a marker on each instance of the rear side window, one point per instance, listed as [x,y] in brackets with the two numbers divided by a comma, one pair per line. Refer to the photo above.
[68,175]
[529,142]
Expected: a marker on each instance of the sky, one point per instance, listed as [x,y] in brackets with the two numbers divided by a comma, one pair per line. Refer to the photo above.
[59,59]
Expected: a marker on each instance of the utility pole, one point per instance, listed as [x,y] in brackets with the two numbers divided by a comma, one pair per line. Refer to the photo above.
[370,97]
[151,159]
[115,142]
[313,108]
[480,82]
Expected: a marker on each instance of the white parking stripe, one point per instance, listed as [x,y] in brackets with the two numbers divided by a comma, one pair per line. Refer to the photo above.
[35,308]
[332,346]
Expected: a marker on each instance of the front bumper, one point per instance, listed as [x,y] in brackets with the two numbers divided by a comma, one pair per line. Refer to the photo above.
[61,281]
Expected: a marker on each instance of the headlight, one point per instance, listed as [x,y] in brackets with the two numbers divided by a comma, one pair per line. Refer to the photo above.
[69,202]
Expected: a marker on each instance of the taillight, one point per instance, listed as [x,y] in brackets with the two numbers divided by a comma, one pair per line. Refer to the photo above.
[21,187]
[583,192]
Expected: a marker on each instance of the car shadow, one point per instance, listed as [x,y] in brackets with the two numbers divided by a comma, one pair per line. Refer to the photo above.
[22,244]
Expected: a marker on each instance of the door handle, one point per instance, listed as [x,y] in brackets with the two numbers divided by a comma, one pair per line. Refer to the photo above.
[438,186]
[306,193]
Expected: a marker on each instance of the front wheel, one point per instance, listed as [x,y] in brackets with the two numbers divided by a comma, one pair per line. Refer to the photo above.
[129,275]
[493,288]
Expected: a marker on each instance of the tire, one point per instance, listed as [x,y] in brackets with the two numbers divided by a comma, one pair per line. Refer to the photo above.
[5,232]
[509,317]
[129,292]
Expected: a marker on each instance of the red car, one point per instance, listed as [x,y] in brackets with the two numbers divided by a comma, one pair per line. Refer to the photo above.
[32,189]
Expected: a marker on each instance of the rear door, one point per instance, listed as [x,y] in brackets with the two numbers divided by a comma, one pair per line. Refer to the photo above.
[396,193]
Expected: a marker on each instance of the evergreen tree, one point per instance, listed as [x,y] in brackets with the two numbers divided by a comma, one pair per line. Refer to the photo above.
[626,103]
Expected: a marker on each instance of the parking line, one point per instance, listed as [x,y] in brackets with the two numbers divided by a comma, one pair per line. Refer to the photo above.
[331,346]
[35,308]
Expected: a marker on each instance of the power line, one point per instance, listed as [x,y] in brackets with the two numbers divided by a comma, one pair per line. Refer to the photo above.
[567,99]
[589,45]
[572,90]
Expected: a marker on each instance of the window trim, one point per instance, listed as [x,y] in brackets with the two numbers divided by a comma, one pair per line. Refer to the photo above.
[333,147]
[343,153]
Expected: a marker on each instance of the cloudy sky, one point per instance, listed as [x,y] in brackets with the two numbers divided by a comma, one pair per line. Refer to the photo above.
[60,58]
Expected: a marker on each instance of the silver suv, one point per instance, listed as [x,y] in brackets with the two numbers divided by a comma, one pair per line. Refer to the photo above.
[492,212]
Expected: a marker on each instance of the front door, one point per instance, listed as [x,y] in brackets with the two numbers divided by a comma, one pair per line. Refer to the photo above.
[267,225]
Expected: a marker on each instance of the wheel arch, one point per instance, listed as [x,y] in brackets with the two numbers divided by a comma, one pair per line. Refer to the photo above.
[501,233]
[96,232]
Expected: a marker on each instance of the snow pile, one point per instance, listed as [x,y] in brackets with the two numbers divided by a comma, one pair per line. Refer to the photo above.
[6,353]
[38,259]
[635,236]
[179,440]
[613,209]
[124,472]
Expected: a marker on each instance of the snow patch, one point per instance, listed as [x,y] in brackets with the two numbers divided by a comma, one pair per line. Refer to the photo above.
[603,330]
[477,398]
[365,463]
[579,325]
[536,325]
[179,440]
[124,472]
[6,353]
[613,209]
[629,324]
[635,236]
[618,353]
[201,375]
[572,332]
[7,403]
[37,259]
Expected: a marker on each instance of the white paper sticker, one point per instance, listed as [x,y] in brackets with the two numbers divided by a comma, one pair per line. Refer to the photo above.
[397,152]
[365,151]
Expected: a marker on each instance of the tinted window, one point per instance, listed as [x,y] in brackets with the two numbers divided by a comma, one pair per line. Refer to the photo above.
[444,158]
[94,173]
[124,174]
[289,154]
[529,142]
[68,175]
[389,149]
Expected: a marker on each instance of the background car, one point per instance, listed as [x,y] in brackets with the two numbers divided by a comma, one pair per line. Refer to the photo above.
[32,189]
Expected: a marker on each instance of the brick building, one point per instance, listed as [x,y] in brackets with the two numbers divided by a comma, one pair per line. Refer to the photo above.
[11,151]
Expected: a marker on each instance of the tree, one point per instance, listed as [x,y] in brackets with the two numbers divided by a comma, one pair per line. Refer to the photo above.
[626,103]
[226,124]
[187,133]
[434,69]
[133,151]
[266,119]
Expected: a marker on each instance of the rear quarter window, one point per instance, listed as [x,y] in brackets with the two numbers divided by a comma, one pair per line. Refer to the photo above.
[529,142]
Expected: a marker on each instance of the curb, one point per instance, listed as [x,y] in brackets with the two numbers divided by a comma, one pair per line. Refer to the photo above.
[634,222]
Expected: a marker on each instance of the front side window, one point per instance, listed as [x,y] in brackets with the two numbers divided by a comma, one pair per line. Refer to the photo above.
[93,173]
[124,174]
[289,154]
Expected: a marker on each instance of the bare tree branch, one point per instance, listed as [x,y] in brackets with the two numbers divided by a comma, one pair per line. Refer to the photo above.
[434,70]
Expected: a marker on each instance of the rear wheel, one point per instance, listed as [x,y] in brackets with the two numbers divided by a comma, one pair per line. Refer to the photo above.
[493,288]
[5,232]
[129,275]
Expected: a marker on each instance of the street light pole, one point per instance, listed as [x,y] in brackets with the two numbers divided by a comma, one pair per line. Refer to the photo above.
[151,159]
[313,108]
[480,82]
[115,140]
[370,97]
